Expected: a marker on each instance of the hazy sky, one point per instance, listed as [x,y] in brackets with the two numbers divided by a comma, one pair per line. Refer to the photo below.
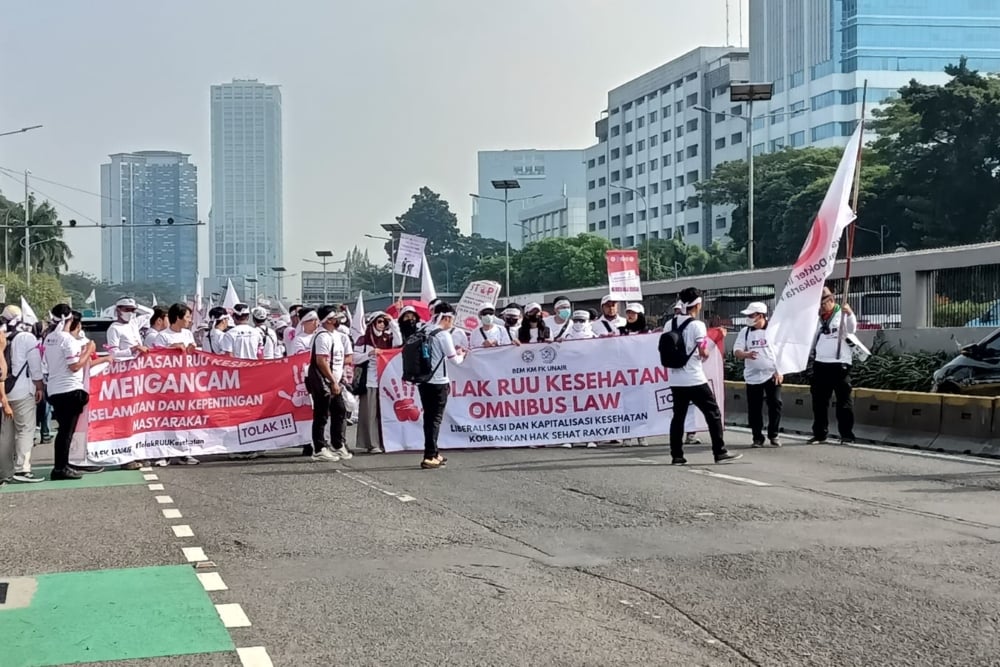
[380,97]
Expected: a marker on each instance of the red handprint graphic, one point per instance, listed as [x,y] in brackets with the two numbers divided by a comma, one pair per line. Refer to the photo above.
[401,394]
[300,396]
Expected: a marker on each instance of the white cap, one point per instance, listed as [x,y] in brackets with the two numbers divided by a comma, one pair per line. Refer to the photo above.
[409,309]
[581,315]
[635,308]
[259,314]
[487,306]
[241,309]
[608,298]
[125,302]
[756,307]
[532,306]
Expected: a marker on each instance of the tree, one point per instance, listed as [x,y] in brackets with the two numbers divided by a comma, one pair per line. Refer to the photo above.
[48,252]
[430,217]
[942,144]
[561,263]
[45,292]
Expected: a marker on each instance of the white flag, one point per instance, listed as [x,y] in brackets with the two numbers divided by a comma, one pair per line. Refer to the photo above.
[427,291]
[792,329]
[197,317]
[231,298]
[154,301]
[27,314]
[358,319]
[92,298]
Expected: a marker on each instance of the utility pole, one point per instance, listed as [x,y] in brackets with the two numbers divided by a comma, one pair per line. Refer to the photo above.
[27,233]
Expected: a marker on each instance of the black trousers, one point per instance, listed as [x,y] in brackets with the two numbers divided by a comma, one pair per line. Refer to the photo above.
[329,408]
[434,398]
[701,397]
[757,395]
[832,380]
[66,408]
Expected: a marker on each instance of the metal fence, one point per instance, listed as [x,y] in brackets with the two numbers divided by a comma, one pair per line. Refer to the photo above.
[966,296]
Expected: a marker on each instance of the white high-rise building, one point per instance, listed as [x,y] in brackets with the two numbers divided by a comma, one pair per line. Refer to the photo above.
[654,145]
[819,53]
[245,225]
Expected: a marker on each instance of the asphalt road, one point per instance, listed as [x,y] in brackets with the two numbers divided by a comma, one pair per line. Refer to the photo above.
[804,555]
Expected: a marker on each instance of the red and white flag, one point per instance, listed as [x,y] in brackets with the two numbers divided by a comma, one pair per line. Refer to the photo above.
[792,329]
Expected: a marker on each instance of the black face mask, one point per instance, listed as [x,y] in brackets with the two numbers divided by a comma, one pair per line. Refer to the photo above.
[510,321]
[533,318]
[407,328]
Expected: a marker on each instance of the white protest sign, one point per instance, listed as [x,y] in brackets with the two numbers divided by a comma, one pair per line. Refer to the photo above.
[473,298]
[623,275]
[409,255]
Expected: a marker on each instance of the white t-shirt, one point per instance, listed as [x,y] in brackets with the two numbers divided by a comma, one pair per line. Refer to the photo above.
[168,338]
[150,339]
[270,342]
[584,333]
[826,342]
[288,335]
[301,343]
[442,349]
[24,350]
[245,341]
[459,338]
[692,375]
[330,344]
[217,342]
[122,337]
[61,351]
[558,330]
[763,368]
[496,334]
[609,327]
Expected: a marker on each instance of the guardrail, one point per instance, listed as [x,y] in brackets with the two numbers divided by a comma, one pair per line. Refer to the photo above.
[940,422]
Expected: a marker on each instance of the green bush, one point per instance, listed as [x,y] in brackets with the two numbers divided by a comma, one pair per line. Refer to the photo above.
[892,371]
[957,313]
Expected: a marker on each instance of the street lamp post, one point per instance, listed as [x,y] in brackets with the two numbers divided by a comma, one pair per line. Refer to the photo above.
[250,280]
[882,234]
[21,131]
[506,185]
[749,93]
[324,256]
[645,208]
[392,259]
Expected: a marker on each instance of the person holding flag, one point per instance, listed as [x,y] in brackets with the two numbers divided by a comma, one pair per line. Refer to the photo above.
[831,374]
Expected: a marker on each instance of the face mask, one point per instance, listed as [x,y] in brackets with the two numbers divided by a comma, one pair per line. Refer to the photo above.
[534,317]
[126,316]
[510,321]
[564,313]
[579,326]
[487,320]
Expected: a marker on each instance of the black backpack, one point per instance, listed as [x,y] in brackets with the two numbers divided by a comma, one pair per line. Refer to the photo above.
[416,353]
[673,352]
[11,380]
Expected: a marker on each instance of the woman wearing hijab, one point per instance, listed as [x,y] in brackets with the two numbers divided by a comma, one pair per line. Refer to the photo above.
[409,321]
[635,320]
[380,334]
[533,328]
[579,327]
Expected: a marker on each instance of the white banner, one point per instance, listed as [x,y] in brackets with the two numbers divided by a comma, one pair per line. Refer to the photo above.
[409,255]
[623,275]
[475,295]
[575,391]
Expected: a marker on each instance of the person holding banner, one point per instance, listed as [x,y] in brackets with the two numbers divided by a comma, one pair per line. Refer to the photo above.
[488,333]
[124,340]
[380,334]
[635,320]
[511,315]
[178,335]
[689,384]
[559,323]
[326,370]
[533,328]
[831,374]
[580,327]
[157,323]
[302,337]
[610,321]
[216,341]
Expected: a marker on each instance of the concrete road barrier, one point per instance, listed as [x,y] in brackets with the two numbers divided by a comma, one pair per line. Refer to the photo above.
[916,420]
[967,425]
[874,413]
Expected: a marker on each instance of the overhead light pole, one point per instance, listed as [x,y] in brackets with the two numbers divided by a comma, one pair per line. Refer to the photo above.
[506,185]
[21,131]
[279,274]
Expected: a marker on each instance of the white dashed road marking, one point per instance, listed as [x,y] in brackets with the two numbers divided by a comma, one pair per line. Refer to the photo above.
[155,487]
[254,656]
[232,615]
[150,478]
[182,530]
[401,497]
[194,554]
[211,581]
[731,478]
[171,514]
[165,500]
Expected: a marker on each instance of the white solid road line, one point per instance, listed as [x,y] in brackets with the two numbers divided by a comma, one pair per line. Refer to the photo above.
[171,514]
[211,581]
[254,656]
[731,478]
[155,487]
[150,478]
[165,500]
[194,554]
[146,469]
[905,451]
[232,615]
[401,497]
[182,530]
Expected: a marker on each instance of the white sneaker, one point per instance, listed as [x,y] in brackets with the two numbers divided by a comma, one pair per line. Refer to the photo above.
[343,453]
[161,463]
[591,445]
[325,455]
[641,442]
[567,446]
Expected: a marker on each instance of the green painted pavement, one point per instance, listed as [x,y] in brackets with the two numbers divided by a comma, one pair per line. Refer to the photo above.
[77,617]
[89,481]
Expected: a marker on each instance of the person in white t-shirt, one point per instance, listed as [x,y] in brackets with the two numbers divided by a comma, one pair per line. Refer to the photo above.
[244,340]
[560,322]
[434,393]
[177,336]
[609,323]
[18,430]
[124,339]
[760,372]
[689,385]
[302,339]
[326,370]
[489,333]
[269,345]
[216,341]
[294,313]
[157,323]
[66,356]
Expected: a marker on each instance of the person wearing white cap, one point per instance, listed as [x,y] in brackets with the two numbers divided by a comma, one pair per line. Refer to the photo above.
[610,322]
[243,340]
[269,339]
[579,327]
[489,333]
[24,390]
[326,370]
[688,338]
[124,339]
[635,320]
[533,328]
[511,316]
[760,372]
[559,323]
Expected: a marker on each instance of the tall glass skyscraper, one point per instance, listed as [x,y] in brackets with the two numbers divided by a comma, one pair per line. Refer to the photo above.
[245,224]
[150,207]
[818,53]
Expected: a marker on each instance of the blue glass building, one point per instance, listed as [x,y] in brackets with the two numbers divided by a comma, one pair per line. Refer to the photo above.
[818,54]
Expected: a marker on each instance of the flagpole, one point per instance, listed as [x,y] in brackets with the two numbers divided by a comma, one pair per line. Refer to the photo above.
[850,230]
